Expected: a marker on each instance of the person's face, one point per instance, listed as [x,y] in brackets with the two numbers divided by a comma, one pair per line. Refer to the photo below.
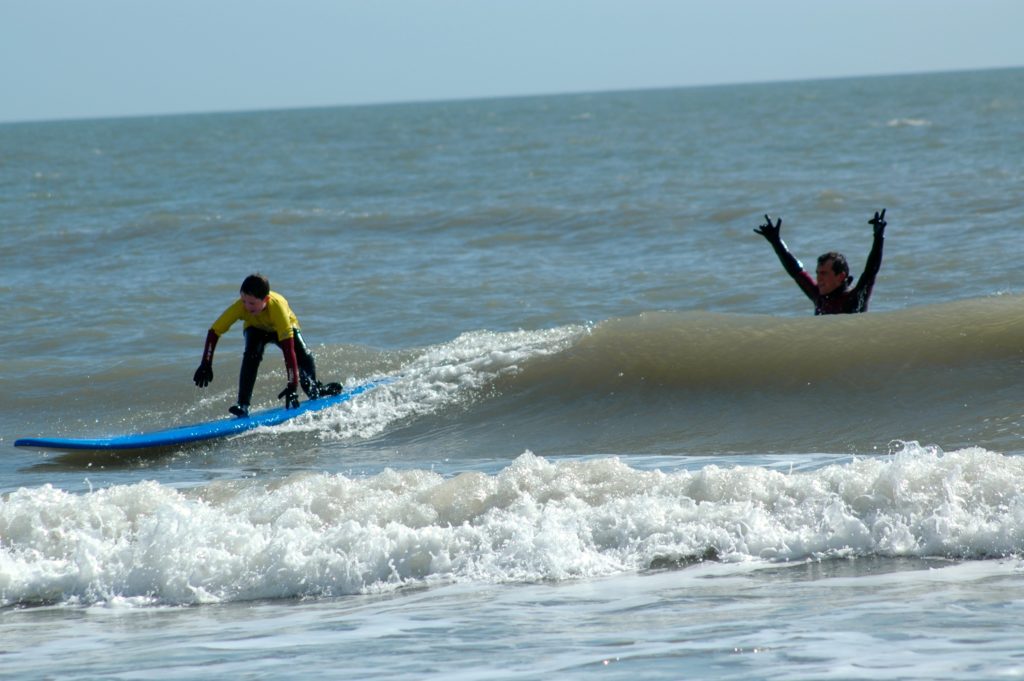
[828,280]
[253,305]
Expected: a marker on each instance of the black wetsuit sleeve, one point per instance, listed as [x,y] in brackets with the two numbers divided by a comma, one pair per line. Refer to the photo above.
[867,280]
[795,270]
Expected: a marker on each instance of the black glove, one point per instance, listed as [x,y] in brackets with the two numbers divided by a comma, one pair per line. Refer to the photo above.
[770,231]
[203,375]
[879,222]
[290,396]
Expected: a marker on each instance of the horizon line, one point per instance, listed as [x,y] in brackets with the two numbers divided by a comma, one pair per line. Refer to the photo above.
[483,98]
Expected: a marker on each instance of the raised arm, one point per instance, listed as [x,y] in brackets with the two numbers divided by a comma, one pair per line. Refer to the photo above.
[874,263]
[789,262]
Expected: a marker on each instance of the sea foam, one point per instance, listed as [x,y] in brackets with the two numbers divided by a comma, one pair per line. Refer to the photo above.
[536,520]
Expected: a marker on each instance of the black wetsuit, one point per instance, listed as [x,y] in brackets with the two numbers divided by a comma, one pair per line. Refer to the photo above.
[841,301]
[256,340]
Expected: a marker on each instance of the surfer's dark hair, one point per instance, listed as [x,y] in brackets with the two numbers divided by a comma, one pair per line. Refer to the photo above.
[256,285]
[839,265]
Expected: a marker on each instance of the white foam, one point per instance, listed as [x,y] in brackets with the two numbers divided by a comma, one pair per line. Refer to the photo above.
[534,521]
[908,122]
[442,376]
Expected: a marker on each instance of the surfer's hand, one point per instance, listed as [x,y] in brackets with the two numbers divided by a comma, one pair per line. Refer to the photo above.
[290,396]
[879,222]
[203,375]
[770,231]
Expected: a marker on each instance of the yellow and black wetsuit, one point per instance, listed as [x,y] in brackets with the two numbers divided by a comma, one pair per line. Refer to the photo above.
[275,323]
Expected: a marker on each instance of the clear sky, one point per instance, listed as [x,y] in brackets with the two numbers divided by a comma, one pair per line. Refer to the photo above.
[98,58]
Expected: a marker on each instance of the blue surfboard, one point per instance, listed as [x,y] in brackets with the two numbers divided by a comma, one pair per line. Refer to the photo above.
[199,431]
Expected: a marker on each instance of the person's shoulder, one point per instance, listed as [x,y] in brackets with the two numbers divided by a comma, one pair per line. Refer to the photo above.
[278,301]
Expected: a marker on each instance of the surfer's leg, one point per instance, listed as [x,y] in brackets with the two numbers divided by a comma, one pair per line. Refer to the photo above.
[255,341]
[307,368]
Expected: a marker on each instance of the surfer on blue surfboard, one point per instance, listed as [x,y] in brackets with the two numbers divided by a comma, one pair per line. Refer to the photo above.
[831,293]
[267,319]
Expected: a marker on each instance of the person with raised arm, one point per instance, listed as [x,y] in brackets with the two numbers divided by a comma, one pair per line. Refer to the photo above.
[831,290]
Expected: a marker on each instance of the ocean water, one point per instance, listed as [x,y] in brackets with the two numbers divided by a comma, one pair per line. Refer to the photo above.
[618,444]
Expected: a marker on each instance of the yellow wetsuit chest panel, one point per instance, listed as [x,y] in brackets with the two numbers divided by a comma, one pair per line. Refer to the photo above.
[276,316]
